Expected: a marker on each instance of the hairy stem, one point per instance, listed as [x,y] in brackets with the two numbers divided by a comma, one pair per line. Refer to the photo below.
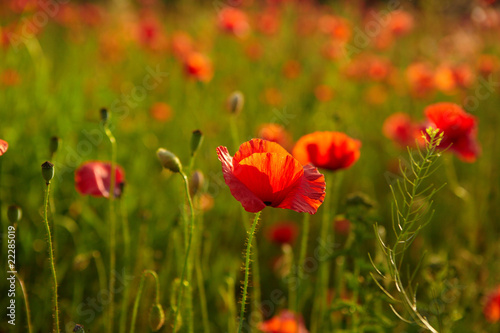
[188,249]
[112,230]
[51,257]
[247,270]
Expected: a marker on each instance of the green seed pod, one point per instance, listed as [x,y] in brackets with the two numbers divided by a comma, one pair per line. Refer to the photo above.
[168,160]
[235,102]
[196,140]
[104,115]
[196,182]
[54,144]
[47,171]
[14,213]
[156,317]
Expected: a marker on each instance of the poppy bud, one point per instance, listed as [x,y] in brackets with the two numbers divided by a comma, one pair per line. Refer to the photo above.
[54,144]
[196,182]
[104,115]
[14,213]
[47,171]
[235,102]
[196,140]
[156,317]
[168,160]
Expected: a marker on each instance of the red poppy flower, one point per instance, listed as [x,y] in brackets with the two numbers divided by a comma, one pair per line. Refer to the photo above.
[400,128]
[93,178]
[234,21]
[327,150]
[491,309]
[285,322]
[262,173]
[161,111]
[275,133]
[182,44]
[282,233]
[198,66]
[3,147]
[400,22]
[459,129]
[421,79]
[342,226]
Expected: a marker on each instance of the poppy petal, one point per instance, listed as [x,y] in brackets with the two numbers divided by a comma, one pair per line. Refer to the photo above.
[250,202]
[270,176]
[258,146]
[93,178]
[3,147]
[328,150]
[309,193]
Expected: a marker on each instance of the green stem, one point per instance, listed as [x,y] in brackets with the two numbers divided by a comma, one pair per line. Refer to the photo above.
[327,237]
[247,270]
[201,281]
[101,269]
[127,254]
[112,230]
[188,248]
[463,194]
[256,291]
[302,258]
[51,257]
[234,131]
[26,303]
[139,293]
[1,223]
[231,304]
[292,283]
[321,290]
[458,190]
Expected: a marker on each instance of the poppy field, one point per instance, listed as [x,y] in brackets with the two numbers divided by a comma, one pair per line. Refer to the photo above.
[272,166]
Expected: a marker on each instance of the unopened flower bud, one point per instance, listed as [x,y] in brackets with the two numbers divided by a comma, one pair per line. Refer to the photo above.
[54,144]
[156,317]
[47,172]
[168,160]
[196,140]
[196,182]
[104,115]
[14,213]
[235,102]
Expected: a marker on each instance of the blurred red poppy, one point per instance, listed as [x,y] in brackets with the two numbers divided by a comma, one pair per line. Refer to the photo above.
[342,226]
[459,129]
[491,309]
[181,44]
[198,66]
[327,150]
[400,22]
[93,178]
[275,133]
[323,93]
[487,64]
[400,128]
[234,21]
[161,111]
[283,233]
[3,147]
[421,79]
[285,322]
[262,173]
